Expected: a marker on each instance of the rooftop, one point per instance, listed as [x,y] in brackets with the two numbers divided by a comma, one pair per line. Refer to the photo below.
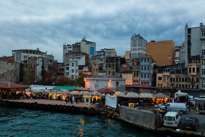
[9,85]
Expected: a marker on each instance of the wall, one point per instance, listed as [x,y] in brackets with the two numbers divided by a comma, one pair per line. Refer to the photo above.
[166,48]
[129,78]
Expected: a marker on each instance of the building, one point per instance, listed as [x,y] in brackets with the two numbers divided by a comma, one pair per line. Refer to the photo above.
[176,58]
[105,81]
[96,60]
[180,54]
[166,49]
[146,71]
[127,56]
[101,54]
[9,70]
[88,47]
[109,52]
[113,65]
[73,60]
[33,58]
[138,46]
[194,46]
[71,48]
[179,76]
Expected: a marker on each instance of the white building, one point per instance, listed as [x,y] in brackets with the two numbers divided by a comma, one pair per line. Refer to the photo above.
[195,45]
[105,81]
[73,60]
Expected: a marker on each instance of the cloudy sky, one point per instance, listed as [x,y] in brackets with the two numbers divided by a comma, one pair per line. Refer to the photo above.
[48,24]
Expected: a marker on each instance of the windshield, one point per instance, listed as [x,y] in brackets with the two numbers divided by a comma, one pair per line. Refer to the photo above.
[169,118]
[188,121]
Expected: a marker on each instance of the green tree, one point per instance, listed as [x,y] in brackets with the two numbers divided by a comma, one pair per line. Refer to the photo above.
[43,72]
[29,75]
[80,80]
[63,81]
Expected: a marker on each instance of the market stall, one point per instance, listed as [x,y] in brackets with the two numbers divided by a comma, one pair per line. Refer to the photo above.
[146,99]
[160,98]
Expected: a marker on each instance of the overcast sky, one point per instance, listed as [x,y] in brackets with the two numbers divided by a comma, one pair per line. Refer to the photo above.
[48,24]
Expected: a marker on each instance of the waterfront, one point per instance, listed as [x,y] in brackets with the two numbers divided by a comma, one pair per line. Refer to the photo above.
[23,122]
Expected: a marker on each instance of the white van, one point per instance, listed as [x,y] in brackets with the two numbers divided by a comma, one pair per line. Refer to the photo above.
[171,119]
[177,107]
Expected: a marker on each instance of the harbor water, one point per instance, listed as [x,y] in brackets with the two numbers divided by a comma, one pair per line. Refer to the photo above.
[18,122]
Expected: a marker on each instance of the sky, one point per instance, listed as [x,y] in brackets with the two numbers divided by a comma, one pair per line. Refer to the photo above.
[49,24]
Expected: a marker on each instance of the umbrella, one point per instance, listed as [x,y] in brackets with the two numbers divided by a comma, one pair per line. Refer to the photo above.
[160,95]
[132,95]
[145,95]
[119,93]
[84,92]
[95,93]
[75,93]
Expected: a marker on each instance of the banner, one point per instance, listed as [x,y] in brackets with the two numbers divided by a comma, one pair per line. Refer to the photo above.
[111,101]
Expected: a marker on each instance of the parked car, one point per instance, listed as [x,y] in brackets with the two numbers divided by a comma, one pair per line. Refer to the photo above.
[190,123]
[171,119]
[176,107]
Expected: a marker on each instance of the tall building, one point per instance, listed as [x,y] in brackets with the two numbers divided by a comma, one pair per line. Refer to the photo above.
[195,45]
[166,49]
[176,58]
[180,54]
[138,46]
[101,54]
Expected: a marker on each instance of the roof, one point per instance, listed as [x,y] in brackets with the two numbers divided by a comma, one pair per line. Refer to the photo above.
[106,90]
[105,76]
[9,85]
[64,87]
[171,113]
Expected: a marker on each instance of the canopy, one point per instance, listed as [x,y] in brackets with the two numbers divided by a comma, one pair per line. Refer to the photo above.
[75,93]
[95,93]
[65,87]
[160,95]
[84,92]
[146,95]
[106,90]
[40,87]
[131,95]
[63,92]
[117,93]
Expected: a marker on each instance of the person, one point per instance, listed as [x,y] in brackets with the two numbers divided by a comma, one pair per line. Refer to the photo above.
[71,100]
[76,99]
[66,99]
[199,105]
[163,102]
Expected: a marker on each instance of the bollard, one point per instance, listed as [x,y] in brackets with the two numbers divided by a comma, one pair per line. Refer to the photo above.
[197,110]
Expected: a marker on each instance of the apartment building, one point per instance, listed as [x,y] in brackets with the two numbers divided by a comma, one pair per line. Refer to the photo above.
[194,46]
[138,46]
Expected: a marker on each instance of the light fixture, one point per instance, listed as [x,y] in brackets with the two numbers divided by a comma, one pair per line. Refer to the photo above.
[84,79]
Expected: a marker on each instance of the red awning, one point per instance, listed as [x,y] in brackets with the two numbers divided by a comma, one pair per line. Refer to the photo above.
[106,90]
[9,85]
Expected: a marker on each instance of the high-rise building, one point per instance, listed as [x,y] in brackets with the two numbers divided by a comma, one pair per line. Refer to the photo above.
[109,52]
[166,49]
[194,46]
[138,46]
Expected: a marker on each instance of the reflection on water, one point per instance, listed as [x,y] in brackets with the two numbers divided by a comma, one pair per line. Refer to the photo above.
[19,122]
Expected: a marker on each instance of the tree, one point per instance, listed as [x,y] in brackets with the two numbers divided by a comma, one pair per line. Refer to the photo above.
[63,81]
[50,75]
[43,72]
[80,80]
[29,75]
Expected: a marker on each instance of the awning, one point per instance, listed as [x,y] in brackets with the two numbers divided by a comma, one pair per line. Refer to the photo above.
[106,90]
[65,87]
[160,95]
[146,95]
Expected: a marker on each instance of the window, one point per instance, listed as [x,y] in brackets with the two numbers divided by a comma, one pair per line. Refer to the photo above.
[182,79]
[145,67]
[176,79]
[67,73]
[203,71]
[203,43]
[72,70]
[147,75]
[137,74]
[183,52]
[197,79]
[179,85]
[203,61]
[190,70]
[76,70]
[67,68]
[159,78]
[179,79]
[141,75]
[193,69]
[142,68]
[185,79]
[170,79]
[176,85]
[203,33]
[173,79]
[144,75]
[182,85]
[197,69]
[72,64]
[169,57]
[188,79]
[147,60]
[203,52]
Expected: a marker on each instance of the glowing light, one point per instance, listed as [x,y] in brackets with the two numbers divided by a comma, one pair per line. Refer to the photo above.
[84,79]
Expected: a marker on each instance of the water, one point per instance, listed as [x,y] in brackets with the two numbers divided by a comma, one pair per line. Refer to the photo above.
[18,122]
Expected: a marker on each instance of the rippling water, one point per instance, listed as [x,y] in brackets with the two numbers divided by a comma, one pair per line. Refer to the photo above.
[19,122]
